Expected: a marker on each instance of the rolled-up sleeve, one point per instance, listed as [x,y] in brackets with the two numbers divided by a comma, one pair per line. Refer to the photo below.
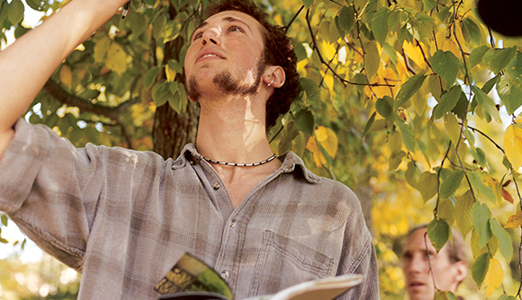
[43,180]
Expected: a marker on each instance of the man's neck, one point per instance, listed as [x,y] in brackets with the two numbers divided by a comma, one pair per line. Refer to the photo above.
[233,130]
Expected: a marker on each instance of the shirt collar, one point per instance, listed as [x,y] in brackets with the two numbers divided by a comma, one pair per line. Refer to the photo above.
[292,163]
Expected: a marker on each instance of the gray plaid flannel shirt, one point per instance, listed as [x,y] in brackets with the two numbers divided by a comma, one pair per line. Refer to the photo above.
[123,218]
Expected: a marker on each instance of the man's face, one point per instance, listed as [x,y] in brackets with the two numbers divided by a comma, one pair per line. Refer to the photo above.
[419,281]
[226,54]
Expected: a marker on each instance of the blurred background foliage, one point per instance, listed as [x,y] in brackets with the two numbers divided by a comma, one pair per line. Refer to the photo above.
[413,104]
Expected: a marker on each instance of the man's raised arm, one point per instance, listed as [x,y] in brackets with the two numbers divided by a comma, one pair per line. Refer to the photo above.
[28,63]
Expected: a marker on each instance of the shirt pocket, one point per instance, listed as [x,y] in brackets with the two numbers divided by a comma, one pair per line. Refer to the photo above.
[284,262]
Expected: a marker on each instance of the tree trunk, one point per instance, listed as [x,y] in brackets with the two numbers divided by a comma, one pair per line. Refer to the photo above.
[171,132]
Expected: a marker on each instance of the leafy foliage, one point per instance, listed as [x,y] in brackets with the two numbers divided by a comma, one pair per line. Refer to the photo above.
[407,99]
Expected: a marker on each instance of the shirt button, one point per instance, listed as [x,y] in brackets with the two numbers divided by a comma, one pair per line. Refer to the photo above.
[216,186]
[233,223]
[224,275]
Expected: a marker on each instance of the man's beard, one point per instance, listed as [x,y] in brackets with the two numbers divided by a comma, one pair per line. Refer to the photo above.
[229,85]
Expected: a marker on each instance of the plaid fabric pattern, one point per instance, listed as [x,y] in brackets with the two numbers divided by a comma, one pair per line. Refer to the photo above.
[123,218]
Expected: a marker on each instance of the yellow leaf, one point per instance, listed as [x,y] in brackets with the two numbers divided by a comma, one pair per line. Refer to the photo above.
[66,75]
[321,134]
[386,76]
[494,277]
[319,158]
[414,54]
[514,221]
[513,146]
[329,80]
[116,59]
[171,74]
[452,127]
[460,37]
[328,140]
[328,50]
[450,45]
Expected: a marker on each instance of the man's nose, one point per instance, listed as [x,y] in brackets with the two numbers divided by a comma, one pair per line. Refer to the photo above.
[418,264]
[211,35]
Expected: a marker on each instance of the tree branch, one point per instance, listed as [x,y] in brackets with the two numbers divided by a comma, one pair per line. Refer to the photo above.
[85,105]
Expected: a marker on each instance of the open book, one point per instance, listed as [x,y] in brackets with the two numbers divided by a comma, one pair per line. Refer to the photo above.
[191,279]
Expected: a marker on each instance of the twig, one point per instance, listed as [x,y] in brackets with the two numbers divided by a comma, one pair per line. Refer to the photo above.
[293,19]
[343,81]
[429,261]
[435,210]
[487,137]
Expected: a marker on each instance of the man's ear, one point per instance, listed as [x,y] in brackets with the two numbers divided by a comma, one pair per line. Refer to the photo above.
[274,76]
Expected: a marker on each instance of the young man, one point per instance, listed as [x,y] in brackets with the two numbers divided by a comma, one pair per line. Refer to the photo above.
[123,218]
[448,267]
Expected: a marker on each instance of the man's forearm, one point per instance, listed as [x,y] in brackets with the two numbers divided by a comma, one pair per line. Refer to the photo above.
[27,64]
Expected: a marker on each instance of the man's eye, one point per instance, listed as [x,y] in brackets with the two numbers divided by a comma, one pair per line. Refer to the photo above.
[197,35]
[235,28]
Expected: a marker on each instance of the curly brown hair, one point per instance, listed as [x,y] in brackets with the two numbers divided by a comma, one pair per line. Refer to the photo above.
[279,51]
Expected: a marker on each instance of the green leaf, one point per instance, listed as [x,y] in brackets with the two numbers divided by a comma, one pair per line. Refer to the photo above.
[427,185]
[510,95]
[480,268]
[346,19]
[498,59]
[408,89]
[304,120]
[38,5]
[101,48]
[384,107]
[480,156]
[446,65]
[407,135]
[308,3]
[473,30]
[442,295]
[172,30]
[453,128]
[16,12]
[394,20]
[451,184]
[447,102]
[372,59]
[479,186]
[150,77]
[174,100]
[481,216]
[506,247]
[465,208]
[438,231]
[461,108]
[313,95]
[158,26]
[4,219]
[488,86]
[477,55]
[369,124]
[514,69]
[486,103]
[446,211]
[380,24]
[159,93]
